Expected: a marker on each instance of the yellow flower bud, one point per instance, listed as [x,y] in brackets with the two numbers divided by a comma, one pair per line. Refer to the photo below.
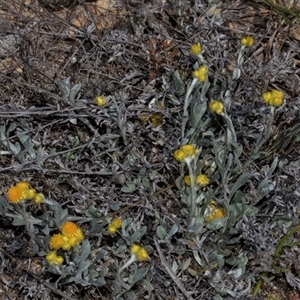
[140,253]
[195,49]
[201,73]
[247,41]
[114,225]
[38,198]
[54,259]
[100,100]
[216,106]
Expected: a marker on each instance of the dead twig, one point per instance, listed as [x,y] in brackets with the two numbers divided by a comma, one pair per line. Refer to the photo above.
[170,272]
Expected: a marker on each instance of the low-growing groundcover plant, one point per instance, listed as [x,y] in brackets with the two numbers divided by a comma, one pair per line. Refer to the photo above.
[168,192]
[213,171]
[65,248]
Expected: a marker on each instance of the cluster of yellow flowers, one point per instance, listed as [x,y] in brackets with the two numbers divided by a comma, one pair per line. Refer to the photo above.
[274,97]
[139,252]
[213,212]
[247,41]
[114,225]
[185,153]
[216,106]
[54,259]
[23,191]
[70,236]
[201,73]
[201,180]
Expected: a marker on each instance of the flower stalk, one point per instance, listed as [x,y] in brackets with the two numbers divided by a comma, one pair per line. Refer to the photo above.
[187,101]
[138,253]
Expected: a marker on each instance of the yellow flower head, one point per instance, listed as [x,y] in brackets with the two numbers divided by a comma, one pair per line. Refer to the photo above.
[185,152]
[18,192]
[216,106]
[213,212]
[247,41]
[70,229]
[201,73]
[139,252]
[114,225]
[202,180]
[273,97]
[54,259]
[195,49]
[56,241]
[15,194]
[100,100]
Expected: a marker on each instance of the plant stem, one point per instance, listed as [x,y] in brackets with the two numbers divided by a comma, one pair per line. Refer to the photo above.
[186,106]
[267,132]
[192,196]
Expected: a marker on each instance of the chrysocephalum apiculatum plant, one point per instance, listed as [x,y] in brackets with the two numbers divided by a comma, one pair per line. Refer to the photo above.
[215,202]
[211,179]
